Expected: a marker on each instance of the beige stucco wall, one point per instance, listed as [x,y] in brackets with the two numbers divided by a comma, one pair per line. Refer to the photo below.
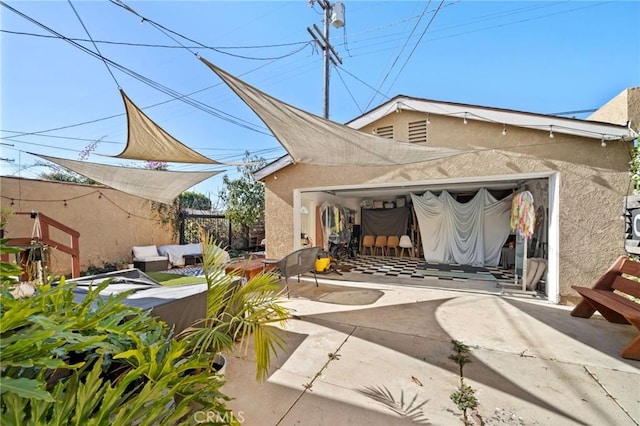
[109,225]
[625,107]
[592,179]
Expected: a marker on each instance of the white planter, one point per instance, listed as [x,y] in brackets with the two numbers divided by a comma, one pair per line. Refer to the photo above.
[220,360]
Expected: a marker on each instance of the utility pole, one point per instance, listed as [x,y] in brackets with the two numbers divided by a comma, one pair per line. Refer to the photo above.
[335,14]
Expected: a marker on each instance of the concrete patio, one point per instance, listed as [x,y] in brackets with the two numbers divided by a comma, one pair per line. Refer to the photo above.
[377,354]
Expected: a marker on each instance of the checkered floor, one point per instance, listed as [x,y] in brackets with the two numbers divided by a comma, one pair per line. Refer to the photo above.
[405,267]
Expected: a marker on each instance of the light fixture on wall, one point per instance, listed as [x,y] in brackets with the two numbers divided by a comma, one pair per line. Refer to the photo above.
[603,143]
[465,118]
[504,130]
[398,107]
[374,131]
[550,132]
[428,119]
[304,210]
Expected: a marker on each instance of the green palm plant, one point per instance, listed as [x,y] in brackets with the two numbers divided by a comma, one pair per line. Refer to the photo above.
[98,362]
[237,312]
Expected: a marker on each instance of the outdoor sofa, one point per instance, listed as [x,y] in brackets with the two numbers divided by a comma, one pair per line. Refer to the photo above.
[160,258]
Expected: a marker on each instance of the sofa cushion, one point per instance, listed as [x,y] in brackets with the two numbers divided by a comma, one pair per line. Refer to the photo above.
[143,252]
[193,248]
[151,258]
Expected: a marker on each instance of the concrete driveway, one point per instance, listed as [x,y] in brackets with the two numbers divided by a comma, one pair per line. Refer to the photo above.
[376,354]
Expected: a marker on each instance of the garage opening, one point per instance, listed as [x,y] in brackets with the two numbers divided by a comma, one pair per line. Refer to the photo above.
[498,255]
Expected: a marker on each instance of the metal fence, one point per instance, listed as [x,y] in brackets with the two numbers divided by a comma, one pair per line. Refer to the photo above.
[225,233]
[216,225]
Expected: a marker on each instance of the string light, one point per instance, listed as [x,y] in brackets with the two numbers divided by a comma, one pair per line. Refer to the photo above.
[504,130]
[603,143]
[551,132]
[465,118]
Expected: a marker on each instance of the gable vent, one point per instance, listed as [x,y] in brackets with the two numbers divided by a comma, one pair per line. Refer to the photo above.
[418,131]
[385,132]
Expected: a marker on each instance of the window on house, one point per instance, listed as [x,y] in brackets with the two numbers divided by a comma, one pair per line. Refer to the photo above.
[385,131]
[418,131]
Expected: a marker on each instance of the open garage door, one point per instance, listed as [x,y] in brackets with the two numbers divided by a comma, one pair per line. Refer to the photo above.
[363,198]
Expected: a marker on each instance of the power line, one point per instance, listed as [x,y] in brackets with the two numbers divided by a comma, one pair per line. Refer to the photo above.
[373,95]
[168,46]
[178,96]
[415,46]
[92,42]
[166,30]
[348,91]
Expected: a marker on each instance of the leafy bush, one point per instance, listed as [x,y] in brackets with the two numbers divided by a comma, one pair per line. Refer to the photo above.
[95,362]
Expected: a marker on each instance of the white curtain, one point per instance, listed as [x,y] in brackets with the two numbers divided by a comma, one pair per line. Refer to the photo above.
[469,233]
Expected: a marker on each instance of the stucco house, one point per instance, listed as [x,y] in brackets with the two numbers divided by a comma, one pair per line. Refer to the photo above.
[577,171]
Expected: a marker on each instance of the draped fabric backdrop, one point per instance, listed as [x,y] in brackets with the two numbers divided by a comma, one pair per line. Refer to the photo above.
[385,221]
[469,233]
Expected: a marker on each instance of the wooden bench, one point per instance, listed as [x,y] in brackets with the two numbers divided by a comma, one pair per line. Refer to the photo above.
[615,307]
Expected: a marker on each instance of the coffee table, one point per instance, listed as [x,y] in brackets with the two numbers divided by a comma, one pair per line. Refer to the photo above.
[247,268]
[192,259]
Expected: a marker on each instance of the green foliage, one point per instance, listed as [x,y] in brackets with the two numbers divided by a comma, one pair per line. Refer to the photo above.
[168,279]
[5,214]
[95,362]
[95,270]
[194,200]
[244,197]
[169,214]
[634,165]
[9,271]
[464,397]
[236,313]
[63,175]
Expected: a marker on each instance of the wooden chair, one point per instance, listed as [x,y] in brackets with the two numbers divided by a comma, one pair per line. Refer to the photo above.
[368,241]
[381,243]
[615,307]
[393,243]
[296,263]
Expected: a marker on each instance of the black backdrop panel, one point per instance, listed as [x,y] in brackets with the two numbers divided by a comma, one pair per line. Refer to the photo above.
[385,221]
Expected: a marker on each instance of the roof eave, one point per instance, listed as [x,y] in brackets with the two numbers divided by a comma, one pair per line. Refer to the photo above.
[544,122]
[273,167]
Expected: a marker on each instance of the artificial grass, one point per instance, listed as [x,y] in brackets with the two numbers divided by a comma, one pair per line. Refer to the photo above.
[167,279]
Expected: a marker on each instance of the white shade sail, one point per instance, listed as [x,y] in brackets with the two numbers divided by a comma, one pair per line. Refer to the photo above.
[156,185]
[315,140]
[148,141]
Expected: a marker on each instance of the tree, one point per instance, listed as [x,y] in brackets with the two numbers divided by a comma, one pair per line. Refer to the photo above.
[634,166]
[243,197]
[194,200]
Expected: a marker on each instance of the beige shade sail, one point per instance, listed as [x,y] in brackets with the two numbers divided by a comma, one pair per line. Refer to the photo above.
[156,185]
[148,141]
[315,140]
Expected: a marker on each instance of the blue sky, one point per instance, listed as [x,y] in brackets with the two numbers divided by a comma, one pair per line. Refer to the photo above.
[544,57]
